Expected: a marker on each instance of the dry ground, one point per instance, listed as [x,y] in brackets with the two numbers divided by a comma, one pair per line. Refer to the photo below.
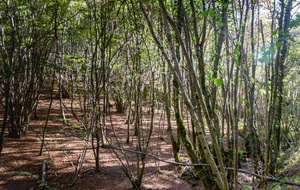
[21,165]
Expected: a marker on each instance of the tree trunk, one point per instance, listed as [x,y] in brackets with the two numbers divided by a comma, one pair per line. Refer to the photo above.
[282,46]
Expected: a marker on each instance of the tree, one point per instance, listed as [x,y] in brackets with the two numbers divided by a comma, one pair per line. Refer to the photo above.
[26,43]
[224,71]
[278,74]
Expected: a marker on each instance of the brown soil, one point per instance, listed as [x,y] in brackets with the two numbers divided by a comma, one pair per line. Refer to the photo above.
[21,165]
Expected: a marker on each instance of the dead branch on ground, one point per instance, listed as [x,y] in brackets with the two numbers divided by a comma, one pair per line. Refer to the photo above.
[269,178]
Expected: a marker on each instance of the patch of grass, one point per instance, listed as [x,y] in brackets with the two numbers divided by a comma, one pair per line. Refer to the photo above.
[290,160]
[290,166]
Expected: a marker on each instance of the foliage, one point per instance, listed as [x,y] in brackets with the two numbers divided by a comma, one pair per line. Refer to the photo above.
[215,66]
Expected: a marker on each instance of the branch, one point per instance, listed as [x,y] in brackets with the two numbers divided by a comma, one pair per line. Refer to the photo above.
[269,178]
[45,166]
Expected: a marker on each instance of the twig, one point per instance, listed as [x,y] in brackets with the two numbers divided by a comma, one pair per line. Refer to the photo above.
[44,168]
[48,151]
[80,162]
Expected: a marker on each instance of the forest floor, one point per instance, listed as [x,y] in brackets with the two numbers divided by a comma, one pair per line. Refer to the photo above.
[21,165]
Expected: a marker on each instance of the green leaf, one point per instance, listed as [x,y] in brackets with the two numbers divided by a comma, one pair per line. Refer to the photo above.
[238,43]
[265,59]
[212,13]
[292,39]
[243,100]
[248,187]
[261,84]
[272,50]
[240,152]
[262,91]
[236,62]
[205,13]
[218,81]
[295,22]
[236,52]
[278,44]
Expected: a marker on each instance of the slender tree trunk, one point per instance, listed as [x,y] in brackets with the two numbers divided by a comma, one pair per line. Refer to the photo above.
[220,175]
[238,60]
[284,21]
[48,116]
[5,119]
